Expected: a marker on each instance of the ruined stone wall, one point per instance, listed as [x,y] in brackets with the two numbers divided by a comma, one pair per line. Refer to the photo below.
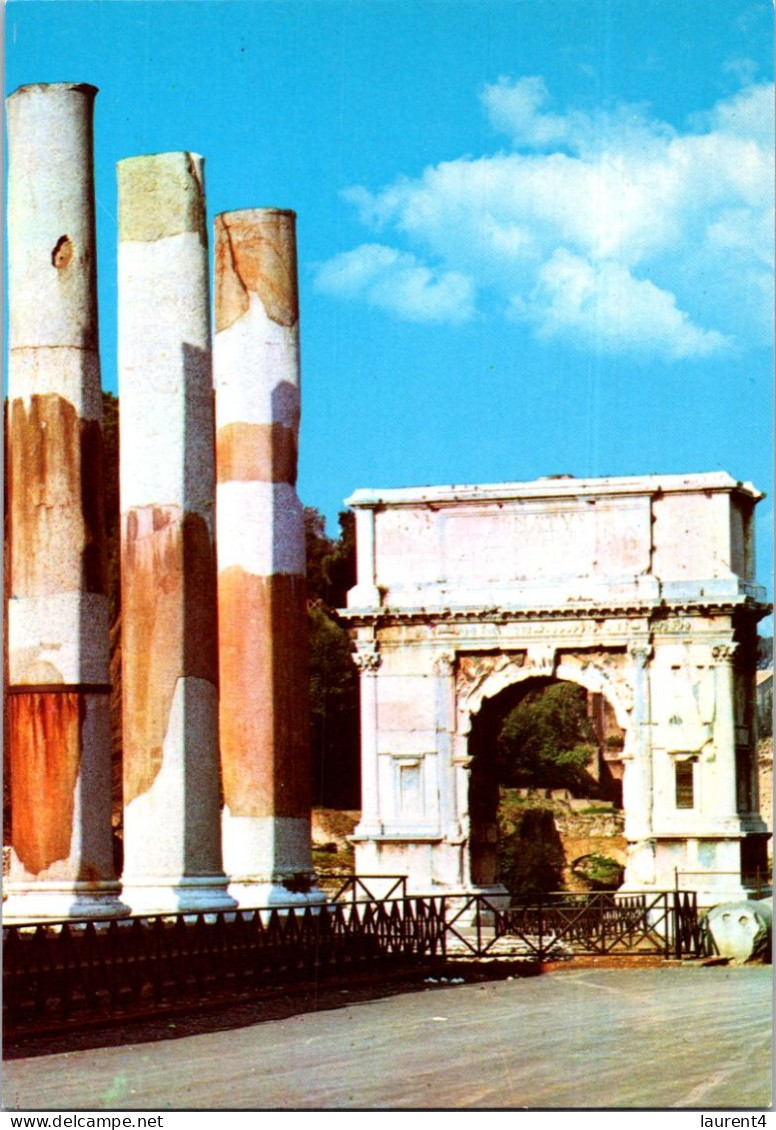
[594,833]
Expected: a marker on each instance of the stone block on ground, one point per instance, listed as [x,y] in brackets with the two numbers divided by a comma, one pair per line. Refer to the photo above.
[741,931]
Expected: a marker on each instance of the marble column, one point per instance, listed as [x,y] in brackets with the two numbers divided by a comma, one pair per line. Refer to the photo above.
[62,860]
[367,660]
[637,780]
[172,849]
[724,805]
[444,672]
[263,634]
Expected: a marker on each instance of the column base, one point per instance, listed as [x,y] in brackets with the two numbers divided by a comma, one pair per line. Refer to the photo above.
[704,861]
[497,896]
[273,850]
[54,901]
[259,894]
[178,896]
[709,896]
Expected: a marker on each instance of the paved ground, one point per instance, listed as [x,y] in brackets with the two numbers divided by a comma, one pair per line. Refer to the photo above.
[611,1038]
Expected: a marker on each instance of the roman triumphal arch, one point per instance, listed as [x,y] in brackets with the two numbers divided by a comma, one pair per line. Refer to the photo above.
[642,590]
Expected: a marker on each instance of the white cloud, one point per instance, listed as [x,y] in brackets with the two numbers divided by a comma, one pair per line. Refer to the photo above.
[747,114]
[515,108]
[743,69]
[518,108]
[395,281]
[611,230]
[606,309]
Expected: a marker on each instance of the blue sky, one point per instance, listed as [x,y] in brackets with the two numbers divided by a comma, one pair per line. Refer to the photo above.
[534,235]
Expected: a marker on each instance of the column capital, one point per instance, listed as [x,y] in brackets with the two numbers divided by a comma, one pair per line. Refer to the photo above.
[724,653]
[367,657]
[444,663]
[640,653]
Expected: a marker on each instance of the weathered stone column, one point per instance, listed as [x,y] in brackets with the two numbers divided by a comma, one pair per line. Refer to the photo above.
[62,860]
[172,850]
[724,801]
[637,781]
[264,716]
[444,671]
[367,660]
[448,864]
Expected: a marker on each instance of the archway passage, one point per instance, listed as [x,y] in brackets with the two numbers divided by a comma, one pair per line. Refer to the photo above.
[537,743]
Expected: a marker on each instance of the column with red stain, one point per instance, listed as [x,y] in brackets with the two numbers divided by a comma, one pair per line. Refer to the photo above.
[62,860]
[172,849]
[264,714]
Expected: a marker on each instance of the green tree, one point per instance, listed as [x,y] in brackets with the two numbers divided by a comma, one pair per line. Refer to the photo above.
[341,563]
[318,547]
[547,740]
[530,851]
[334,706]
[334,715]
[331,563]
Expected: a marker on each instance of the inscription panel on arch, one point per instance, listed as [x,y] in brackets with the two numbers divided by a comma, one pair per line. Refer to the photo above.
[532,541]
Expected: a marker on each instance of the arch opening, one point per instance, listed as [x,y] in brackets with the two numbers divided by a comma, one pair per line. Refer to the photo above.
[540,748]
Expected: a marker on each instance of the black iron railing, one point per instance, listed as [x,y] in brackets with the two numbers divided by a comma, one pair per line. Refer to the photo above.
[365,887]
[60,969]
[566,925]
[106,968]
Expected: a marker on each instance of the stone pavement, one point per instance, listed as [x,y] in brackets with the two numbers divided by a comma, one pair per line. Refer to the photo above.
[579,1038]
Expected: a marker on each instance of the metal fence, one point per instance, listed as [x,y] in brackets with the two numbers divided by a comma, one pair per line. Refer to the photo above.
[375,887]
[59,970]
[568,925]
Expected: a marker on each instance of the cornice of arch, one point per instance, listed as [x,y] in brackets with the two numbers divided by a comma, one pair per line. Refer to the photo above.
[659,612]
